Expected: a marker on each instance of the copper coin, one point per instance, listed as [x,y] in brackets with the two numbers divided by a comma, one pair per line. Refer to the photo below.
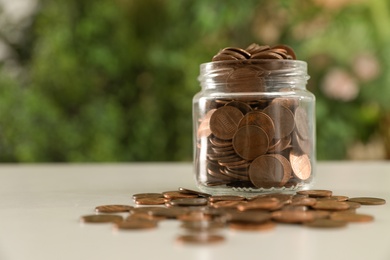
[215,198]
[260,203]
[200,238]
[204,126]
[224,122]
[202,225]
[280,145]
[291,103]
[326,223]
[250,142]
[316,193]
[340,197]
[351,217]
[146,209]
[225,204]
[269,171]
[195,192]
[254,48]
[249,216]
[303,201]
[288,49]
[331,205]
[178,195]
[113,208]
[290,216]
[222,57]
[243,52]
[147,195]
[250,226]
[101,218]
[261,120]
[368,200]
[353,205]
[301,166]
[189,202]
[150,201]
[136,224]
[283,119]
[170,213]
[194,216]
[302,123]
[243,107]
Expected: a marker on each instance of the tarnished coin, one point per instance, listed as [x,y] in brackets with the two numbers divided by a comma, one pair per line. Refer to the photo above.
[250,226]
[261,120]
[302,123]
[250,142]
[224,122]
[113,208]
[301,166]
[316,193]
[330,205]
[326,223]
[101,218]
[351,217]
[291,216]
[136,224]
[269,171]
[283,119]
[368,200]
[201,238]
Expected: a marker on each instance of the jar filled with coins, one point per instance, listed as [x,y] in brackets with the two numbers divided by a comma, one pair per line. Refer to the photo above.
[254,122]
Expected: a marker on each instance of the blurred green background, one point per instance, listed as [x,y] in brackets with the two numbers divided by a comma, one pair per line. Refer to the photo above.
[113,80]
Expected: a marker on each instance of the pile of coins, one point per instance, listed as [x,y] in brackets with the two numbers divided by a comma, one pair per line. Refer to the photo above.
[251,140]
[204,216]
[256,144]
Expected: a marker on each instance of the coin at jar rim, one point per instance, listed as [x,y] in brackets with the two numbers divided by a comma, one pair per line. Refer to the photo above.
[291,103]
[351,217]
[269,171]
[288,49]
[101,218]
[195,192]
[224,122]
[200,238]
[283,119]
[113,208]
[204,126]
[243,107]
[136,224]
[222,57]
[368,200]
[243,52]
[255,48]
[250,142]
[301,166]
[326,223]
[315,193]
[250,226]
[215,198]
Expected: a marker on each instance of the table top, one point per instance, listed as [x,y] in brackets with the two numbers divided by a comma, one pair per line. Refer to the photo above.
[41,204]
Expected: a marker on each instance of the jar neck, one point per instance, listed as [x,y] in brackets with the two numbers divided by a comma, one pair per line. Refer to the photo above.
[253,75]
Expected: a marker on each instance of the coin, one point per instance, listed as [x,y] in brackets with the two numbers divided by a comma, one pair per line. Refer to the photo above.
[147,195]
[301,123]
[291,216]
[113,208]
[250,226]
[136,224]
[195,192]
[269,171]
[301,166]
[261,120]
[224,122]
[283,119]
[315,193]
[331,205]
[250,142]
[202,225]
[101,218]
[200,238]
[249,216]
[204,126]
[351,217]
[326,223]
[189,202]
[368,200]
[150,201]
[260,203]
[175,194]
[302,201]
[243,107]
[288,49]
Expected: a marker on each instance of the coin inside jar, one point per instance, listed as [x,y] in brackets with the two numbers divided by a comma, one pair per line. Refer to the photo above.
[224,122]
[250,142]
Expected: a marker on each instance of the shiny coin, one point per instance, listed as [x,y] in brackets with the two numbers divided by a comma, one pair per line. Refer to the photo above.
[291,216]
[269,171]
[150,201]
[351,217]
[261,120]
[250,226]
[102,218]
[178,195]
[368,200]
[301,166]
[331,205]
[200,238]
[113,208]
[250,142]
[136,224]
[326,223]
[224,122]
[147,195]
[315,193]
[283,119]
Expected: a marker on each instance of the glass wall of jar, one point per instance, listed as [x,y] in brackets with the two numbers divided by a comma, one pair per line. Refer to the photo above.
[254,127]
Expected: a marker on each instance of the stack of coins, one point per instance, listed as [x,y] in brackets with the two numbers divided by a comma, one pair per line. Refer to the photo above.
[204,217]
[254,141]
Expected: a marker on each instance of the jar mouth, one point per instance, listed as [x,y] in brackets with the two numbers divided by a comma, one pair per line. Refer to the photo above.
[266,71]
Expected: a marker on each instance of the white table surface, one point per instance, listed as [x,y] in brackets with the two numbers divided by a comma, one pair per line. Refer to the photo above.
[40,207]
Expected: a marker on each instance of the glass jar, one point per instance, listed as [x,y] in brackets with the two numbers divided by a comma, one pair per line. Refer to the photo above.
[254,127]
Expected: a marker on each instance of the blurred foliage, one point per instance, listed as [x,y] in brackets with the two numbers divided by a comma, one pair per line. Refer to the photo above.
[99,80]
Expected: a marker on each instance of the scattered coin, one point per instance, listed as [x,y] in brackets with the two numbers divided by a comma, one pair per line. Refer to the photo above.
[330,205]
[150,201]
[250,226]
[200,238]
[351,217]
[113,208]
[101,218]
[316,193]
[290,216]
[368,200]
[136,224]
